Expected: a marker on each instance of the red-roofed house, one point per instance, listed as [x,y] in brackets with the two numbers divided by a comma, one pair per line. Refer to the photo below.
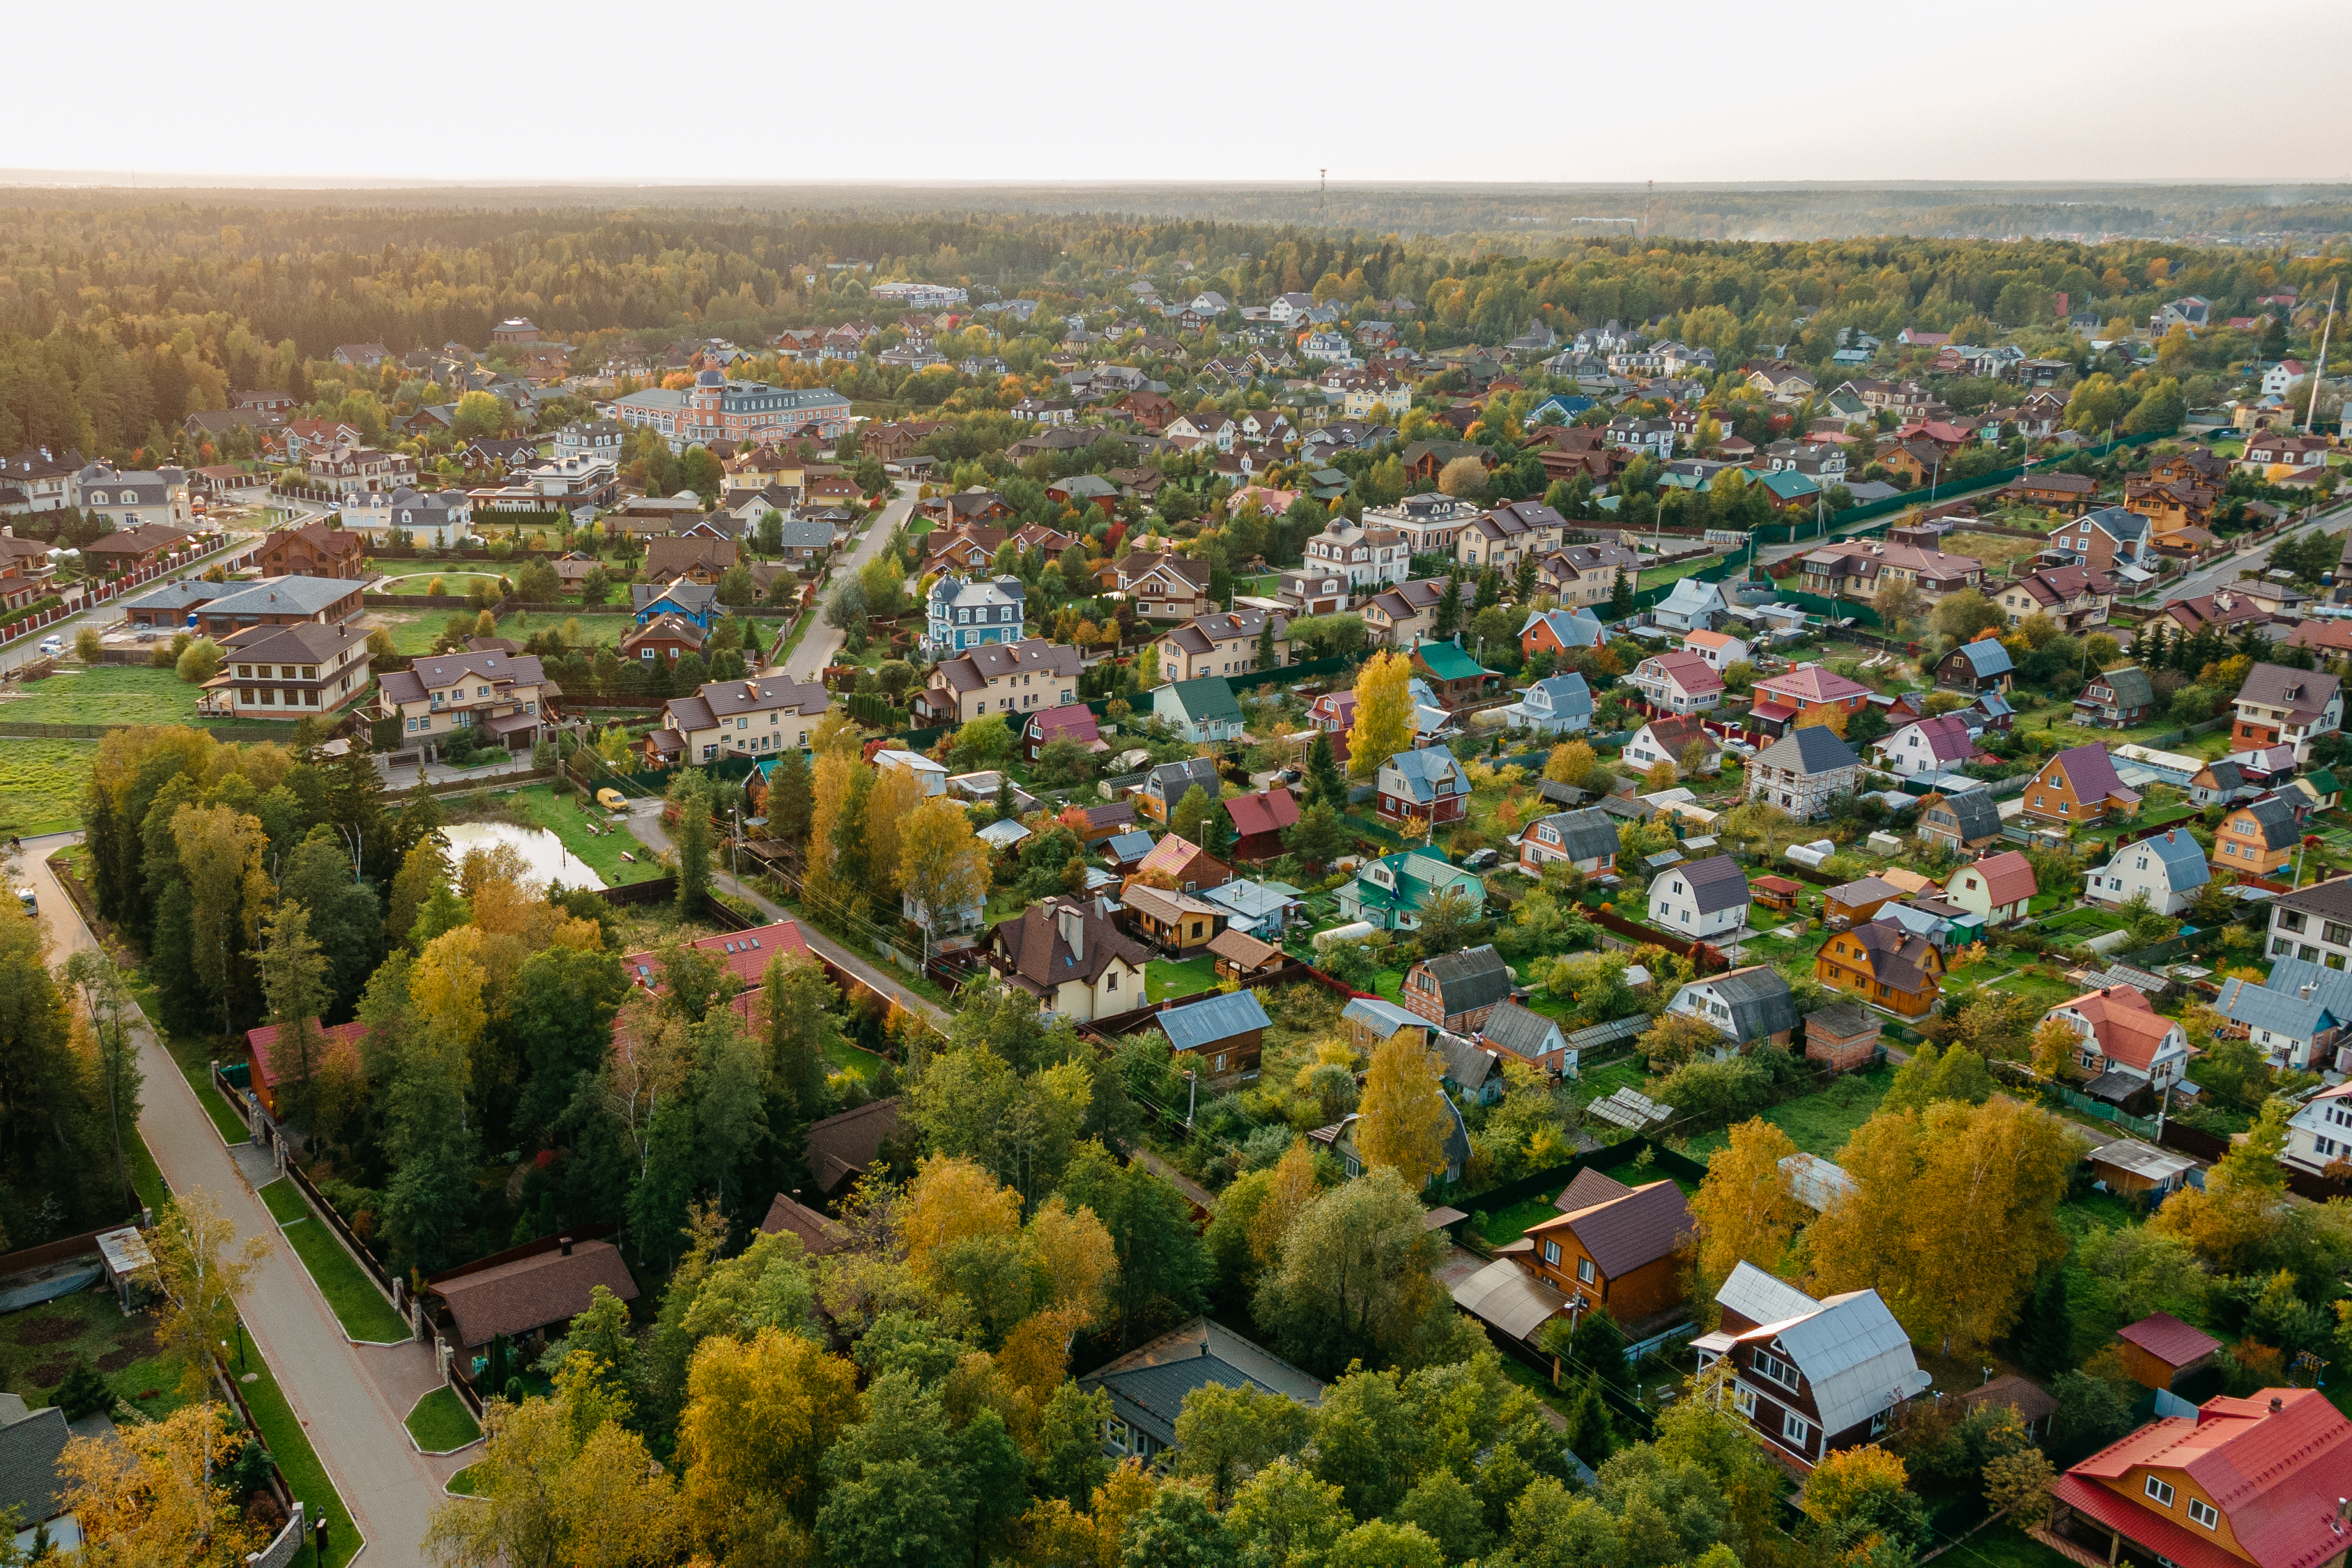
[273,1068]
[745,953]
[1998,886]
[2244,1481]
[1072,721]
[2121,1036]
[2160,1349]
[1334,712]
[1678,683]
[2079,785]
[1259,821]
[1782,700]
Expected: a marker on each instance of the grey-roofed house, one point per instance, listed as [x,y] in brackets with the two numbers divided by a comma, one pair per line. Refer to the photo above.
[1471,1070]
[1965,819]
[1203,711]
[1585,839]
[2168,867]
[1701,900]
[1223,1034]
[1457,990]
[525,1295]
[2297,1019]
[1801,770]
[31,1443]
[1429,783]
[1979,666]
[2115,698]
[1529,1035]
[1744,1005]
[1148,1385]
[1810,1376]
[1164,787]
[1557,705]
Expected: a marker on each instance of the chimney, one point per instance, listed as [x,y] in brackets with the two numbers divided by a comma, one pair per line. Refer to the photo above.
[566,1243]
[2277,1404]
[1070,922]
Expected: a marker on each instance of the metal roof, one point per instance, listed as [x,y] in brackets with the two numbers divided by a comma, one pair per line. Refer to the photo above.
[1204,1023]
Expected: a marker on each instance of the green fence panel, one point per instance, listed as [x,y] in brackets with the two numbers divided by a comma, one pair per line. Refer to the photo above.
[1834,609]
[1785,533]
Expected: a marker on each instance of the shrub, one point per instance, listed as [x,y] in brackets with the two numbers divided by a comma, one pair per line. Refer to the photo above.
[83,1392]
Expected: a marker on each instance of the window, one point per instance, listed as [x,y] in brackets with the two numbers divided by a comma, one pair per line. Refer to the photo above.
[1773,1368]
[1551,1252]
[2161,1491]
[1796,1429]
[2204,1512]
[1744,1401]
[1584,1270]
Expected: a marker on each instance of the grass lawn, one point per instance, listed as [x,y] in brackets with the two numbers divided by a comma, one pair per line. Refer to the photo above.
[568,816]
[359,1306]
[451,582]
[1659,577]
[1995,550]
[2045,991]
[441,1422]
[2082,923]
[281,1433]
[1510,1223]
[1185,979]
[1820,1123]
[413,631]
[44,1342]
[1601,1082]
[106,693]
[40,784]
[2004,1545]
[461,1484]
[843,1057]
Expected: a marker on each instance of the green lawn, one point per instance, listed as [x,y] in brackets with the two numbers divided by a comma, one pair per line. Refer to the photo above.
[461,1484]
[568,816]
[441,1422]
[1510,1223]
[41,783]
[2004,1545]
[44,1343]
[1659,577]
[359,1306]
[1188,978]
[413,631]
[843,1057]
[1820,1123]
[101,694]
[451,582]
[281,1433]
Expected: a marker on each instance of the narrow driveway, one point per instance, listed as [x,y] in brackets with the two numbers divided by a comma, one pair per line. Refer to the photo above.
[823,640]
[349,1399]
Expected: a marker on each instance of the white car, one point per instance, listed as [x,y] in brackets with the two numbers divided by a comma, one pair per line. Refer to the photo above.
[53,645]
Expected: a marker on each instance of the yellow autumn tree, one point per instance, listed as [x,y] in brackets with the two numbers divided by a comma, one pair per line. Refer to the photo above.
[759,1415]
[201,1268]
[1383,723]
[1745,1209]
[1290,1187]
[953,1200]
[1852,1483]
[1403,1122]
[1569,762]
[152,1492]
[1827,714]
[942,865]
[897,793]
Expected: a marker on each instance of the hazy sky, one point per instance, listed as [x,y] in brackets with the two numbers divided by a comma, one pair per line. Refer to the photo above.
[720,92]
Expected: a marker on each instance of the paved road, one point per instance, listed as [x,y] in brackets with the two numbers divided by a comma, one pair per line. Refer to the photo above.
[106,615]
[2222,572]
[350,1398]
[817,647]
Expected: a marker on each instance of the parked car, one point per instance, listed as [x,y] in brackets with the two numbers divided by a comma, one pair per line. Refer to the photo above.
[53,645]
[612,800]
[1480,860]
[32,905]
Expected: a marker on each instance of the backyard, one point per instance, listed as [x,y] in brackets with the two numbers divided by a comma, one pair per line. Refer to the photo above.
[585,830]
[1818,1123]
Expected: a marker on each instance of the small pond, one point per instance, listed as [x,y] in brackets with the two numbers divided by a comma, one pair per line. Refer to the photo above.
[542,852]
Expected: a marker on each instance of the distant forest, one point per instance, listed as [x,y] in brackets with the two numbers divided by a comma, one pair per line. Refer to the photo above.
[120,313]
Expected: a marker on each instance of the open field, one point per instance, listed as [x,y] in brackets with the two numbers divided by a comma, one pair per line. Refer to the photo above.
[101,694]
[40,783]
[42,1344]
[451,582]
[1995,550]
[1188,978]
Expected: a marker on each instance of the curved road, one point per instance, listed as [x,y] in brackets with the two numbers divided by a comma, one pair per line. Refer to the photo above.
[350,1399]
[816,649]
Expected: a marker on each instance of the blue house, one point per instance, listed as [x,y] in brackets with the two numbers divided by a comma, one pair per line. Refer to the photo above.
[1557,706]
[695,602]
[1560,408]
[962,615]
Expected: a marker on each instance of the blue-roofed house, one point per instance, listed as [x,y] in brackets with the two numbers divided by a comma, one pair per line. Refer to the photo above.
[1430,784]
[1219,1035]
[2169,867]
[1261,908]
[2298,1019]
[1392,891]
[1148,1385]
[1560,631]
[1983,664]
[959,615]
[1126,850]
[1557,705]
[1560,408]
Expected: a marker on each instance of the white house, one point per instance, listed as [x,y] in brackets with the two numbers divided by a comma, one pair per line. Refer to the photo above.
[1585,839]
[2001,886]
[2320,1134]
[1927,746]
[1667,740]
[1557,706]
[1693,606]
[1678,682]
[2296,1019]
[930,776]
[1801,770]
[1703,900]
[1720,649]
[2121,1037]
[2169,867]
[1743,1006]
[2314,923]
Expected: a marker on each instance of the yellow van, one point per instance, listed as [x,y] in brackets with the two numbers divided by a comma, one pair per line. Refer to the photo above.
[612,800]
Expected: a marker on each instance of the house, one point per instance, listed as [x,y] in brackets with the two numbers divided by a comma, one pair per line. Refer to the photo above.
[1177,925]
[1260,821]
[1067,953]
[2319,1134]
[1164,587]
[504,696]
[1881,964]
[2000,886]
[1183,866]
[2076,598]
[1222,1034]
[1783,700]
[1584,840]
[2241,1482]
[1700,901]
[2296,1019]
[1105,823]
[757,716]
[1009,678]
[686,600]
[1935,745]
[1981,665]
[1340,1139]
[523,1297]
[2122,1041]
[1857,901]
[1456,991]
[1404,616]
[1165,786]
[1670,741]
[1557,705]
[1810,1376]
[1720,649]
[1243,957]
[2161,1350]
[2069,493]
[1429,784]
[1203,709]
[272,1069]
[2132,1169]
[1529,1037]
[1468,1071]
[1073,722]
[1842,1037]
[1743,1006]
[960,614]
[2079,785]
[1147,1386]
[2314,923]
[1587,574]
[288,672]
[1220,644]
[2277,706]
[1802,770]
[2259,838]
[1620,1249]
[1691,606]
[1678,683]
[1365,557]
[670,558]
[2116,700]
[1560,633]
[1392,891]
[314,549]
[1454,678]
[2169,867]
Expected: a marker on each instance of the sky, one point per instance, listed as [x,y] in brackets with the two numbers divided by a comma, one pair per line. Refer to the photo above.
[722,92]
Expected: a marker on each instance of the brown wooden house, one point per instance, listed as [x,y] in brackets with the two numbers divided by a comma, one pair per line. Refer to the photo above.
[1221,1034]
[1177,924]
[1617,1246]
[314,549]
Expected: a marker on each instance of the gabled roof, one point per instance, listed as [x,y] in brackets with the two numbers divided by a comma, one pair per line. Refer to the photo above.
[1516,1029]
[1148,1385]
[1420,772]
[2181,857]
[2274,817]
[1271,811]
[1760,1297]
[2299,692]
[1448,662]
[1986,657]
[2130,685]
[1212,1019]
[1716,883]
[1687,670]
[2008,877]
[1813,683]
[1852,1351]
[2127,1030]
[1476,977]
[1623,1233]
[2092,772]
[1944,738]
[1584,835]
[1760,1001]
[1206,699]
[2287,1012]
[1810,749]
[533,1292]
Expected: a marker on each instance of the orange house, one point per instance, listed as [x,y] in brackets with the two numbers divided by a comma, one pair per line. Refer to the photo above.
[1617,1246]
[1882,963]
[1784,700]
[2079,785]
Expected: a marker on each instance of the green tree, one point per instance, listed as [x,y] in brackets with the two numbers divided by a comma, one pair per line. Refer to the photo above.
[899,1496]
[690,793]
[294,979]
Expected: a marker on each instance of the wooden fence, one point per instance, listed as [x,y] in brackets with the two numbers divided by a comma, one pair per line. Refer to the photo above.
[48,1252]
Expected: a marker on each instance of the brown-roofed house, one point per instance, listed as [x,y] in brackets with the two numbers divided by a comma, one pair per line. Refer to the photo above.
[818,1234]
[1241,956]
[524,1295]
[840,1147]
[314,549]
[697,559]
[1067,953]
[1620,1251]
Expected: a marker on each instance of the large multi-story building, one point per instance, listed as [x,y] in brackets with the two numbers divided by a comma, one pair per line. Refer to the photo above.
[1431,522]
[1366,557]
[757,716]
[715,408]
[961,615]
[349,470]
[1003,678]
[504,696]
[1225,642]
[2278,706]
[300,671]
[127,498]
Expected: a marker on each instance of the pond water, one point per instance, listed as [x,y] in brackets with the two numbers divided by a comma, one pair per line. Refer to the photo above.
[542,852]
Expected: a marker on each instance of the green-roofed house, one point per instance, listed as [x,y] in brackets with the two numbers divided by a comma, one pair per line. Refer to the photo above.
[1788,486]
[2324,789]
[1329,484]
[1453,677]
[1392,891]
[1203,711]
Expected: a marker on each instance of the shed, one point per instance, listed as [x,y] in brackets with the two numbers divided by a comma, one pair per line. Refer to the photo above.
[1842,1037]
[1508,1298]
[2029,1400]
[1372,1021]
[1816,1182]
[1241,955]
[2160,1349]
[1222,1031]
[2130,1166]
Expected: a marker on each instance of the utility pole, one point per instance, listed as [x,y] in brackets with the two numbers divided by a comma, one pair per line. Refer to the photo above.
[2319,367]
